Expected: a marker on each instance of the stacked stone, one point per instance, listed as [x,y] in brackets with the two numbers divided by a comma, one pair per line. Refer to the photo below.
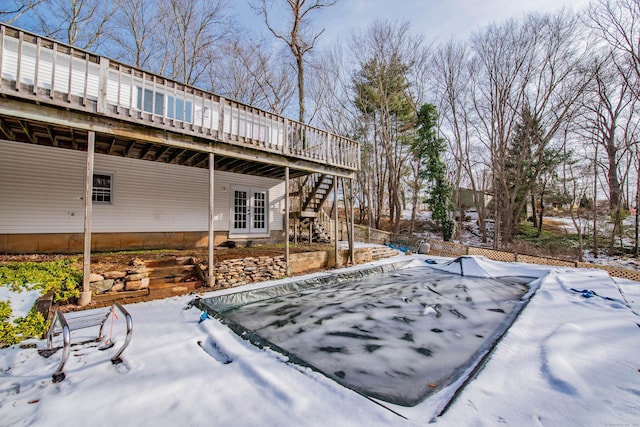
[135,278]
[238,272]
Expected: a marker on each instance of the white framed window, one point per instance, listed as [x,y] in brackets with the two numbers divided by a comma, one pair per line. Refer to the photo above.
[102,192]
[151,102]
[249,210]
[179,109]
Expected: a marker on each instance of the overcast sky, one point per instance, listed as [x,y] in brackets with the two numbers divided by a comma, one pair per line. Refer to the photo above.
[438,20]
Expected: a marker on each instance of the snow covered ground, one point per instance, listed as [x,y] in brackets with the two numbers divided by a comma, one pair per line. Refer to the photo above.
[566,360]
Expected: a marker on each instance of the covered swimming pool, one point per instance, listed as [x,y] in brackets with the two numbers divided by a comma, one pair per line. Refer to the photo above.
[397,333]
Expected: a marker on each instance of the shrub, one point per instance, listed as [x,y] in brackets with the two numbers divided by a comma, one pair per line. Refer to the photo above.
[60,276]
[32,325]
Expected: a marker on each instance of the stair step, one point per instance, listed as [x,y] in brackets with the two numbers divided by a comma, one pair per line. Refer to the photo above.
[171,271]
[156,286]
[113,296]
[169,292]
[168,262]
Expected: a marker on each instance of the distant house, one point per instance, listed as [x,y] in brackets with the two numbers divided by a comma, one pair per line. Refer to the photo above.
[473,198]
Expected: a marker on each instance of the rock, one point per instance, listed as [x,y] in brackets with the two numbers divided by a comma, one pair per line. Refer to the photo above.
[137,262]
[101,285]
[136,285]
[93,277]
[135,277]
[114,274]
[138,270]
[424,248]
[117,286]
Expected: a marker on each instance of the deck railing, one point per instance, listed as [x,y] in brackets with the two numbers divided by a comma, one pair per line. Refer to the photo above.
[48,72]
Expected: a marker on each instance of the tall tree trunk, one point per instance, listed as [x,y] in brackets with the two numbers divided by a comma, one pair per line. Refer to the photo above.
[534,212]
[595,204]
[636,250]
[300,66]
[541,211]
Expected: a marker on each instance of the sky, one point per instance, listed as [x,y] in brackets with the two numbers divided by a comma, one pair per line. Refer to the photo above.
[566,360]
[438,20]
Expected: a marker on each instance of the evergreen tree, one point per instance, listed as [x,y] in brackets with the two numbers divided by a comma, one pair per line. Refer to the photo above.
[429,148]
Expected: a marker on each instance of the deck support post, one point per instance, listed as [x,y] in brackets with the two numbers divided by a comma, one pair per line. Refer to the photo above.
[85,295]
[336,264]
[210,275]
[286,219]
[351,232]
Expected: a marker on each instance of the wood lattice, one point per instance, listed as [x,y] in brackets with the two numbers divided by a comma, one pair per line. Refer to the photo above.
[614,271]
[529,259]
[448,249]
[492,254]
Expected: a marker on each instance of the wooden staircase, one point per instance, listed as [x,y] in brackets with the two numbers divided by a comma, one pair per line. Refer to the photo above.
[312,196]
[173,277]
[319,185]
[380,252]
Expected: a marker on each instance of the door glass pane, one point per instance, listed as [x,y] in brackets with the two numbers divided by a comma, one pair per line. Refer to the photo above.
[259,210]
[240,210]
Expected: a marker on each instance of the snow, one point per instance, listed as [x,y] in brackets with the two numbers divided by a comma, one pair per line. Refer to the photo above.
[566,360]
[20,302]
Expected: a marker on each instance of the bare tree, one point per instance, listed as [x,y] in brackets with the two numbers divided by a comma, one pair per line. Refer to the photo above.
[617,23]
[576,183]
[192,31]
[298,34]
[535,65]
[80,23]
[250,73]
[636,249]
[136,38]
[610,121]
[12,10]
[382,93]
[452,86]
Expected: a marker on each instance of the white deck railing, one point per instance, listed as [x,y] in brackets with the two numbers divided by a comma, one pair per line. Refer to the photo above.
[48,72]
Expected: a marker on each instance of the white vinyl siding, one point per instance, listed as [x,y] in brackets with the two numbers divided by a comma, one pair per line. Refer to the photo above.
[41,189]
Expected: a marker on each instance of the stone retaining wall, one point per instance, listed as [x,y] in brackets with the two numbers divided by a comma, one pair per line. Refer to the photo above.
[133,279]
[239,272]
[236,272]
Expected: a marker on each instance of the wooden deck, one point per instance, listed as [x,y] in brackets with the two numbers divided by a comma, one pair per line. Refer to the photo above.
[54,94]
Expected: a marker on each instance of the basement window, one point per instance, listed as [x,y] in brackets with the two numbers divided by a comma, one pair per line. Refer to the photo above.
[102,189]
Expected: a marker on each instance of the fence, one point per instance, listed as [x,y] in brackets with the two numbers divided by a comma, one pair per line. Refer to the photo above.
[451,249]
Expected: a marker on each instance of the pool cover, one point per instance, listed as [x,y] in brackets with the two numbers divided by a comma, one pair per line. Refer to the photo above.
[398,335]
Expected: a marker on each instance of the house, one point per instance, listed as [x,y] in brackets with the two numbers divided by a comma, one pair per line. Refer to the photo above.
[474,198]
[98,155]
